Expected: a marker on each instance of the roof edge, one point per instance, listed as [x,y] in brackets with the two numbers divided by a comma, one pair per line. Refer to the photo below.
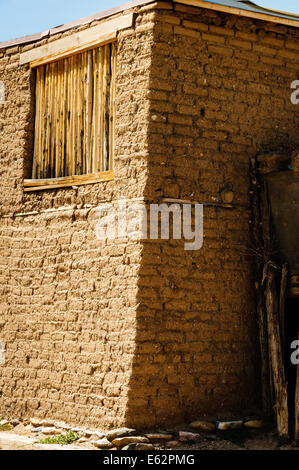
[272,10]
[262,13]
[73,24]
[255,12]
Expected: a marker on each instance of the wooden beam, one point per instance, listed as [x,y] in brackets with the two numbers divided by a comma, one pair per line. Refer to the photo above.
[240,12]
[100,41]
[52,183]
[82,39]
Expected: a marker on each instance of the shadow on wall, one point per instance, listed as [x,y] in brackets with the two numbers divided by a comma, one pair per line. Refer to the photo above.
[196,347]
[195,352]
[196,327]
[196,340]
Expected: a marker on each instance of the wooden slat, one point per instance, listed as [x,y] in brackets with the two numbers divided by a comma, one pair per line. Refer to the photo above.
[49,115]
[72,121]
[46,149]
[38,133]
[112,108]
[37,185]
[89,112]
[83,38]
[69,118]
[96,111]
[77,103]
[63,118]
[84,95]
[81,115]
[52,118]
[39,116]
[49,98]
[99,159]
[58,92]
[106,105]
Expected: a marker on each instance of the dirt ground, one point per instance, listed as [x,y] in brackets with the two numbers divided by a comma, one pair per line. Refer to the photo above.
[229,440]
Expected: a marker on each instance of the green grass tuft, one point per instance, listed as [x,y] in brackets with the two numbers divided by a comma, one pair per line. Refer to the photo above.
[5,427]
[64,439]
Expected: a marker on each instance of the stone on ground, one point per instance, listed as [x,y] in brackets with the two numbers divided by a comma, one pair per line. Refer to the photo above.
[51,431]
[102,444]
[64,426]
[120,432]
[37,430]
[228,425]
[36,423]
[171,444]
[139,446]
[123,441]
[188,436]
[159,437]
[205,426]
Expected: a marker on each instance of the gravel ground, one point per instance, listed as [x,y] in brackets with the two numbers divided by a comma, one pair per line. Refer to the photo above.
[233,440]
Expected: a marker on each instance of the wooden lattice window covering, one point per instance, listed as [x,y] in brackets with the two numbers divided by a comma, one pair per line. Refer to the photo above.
[74,123]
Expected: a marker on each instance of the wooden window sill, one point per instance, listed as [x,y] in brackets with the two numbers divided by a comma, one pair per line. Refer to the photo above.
[67,181]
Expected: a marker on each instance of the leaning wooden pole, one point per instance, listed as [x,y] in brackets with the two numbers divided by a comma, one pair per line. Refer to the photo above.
[282,300]
[271,287]
[275,350]
[259,253]
[267,396]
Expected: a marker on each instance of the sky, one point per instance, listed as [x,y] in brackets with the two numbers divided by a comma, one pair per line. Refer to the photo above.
[21,17]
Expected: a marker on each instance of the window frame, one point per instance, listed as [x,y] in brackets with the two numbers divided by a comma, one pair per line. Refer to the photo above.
[36,184]
[88,39]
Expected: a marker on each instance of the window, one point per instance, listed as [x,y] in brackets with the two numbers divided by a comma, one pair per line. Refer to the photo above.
[74,121]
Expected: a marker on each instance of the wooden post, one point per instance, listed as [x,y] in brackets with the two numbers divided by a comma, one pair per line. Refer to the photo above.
[258,248]
[267,397]
[279,382]
[282,299]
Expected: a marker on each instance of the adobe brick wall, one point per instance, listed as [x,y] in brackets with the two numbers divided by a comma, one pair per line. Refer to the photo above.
[68,301]
[145,333]
[220,94]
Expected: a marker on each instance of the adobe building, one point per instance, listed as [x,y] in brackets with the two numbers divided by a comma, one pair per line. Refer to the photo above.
[152,101]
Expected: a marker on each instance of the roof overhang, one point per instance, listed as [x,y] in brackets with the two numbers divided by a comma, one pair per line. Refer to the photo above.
[247,9]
